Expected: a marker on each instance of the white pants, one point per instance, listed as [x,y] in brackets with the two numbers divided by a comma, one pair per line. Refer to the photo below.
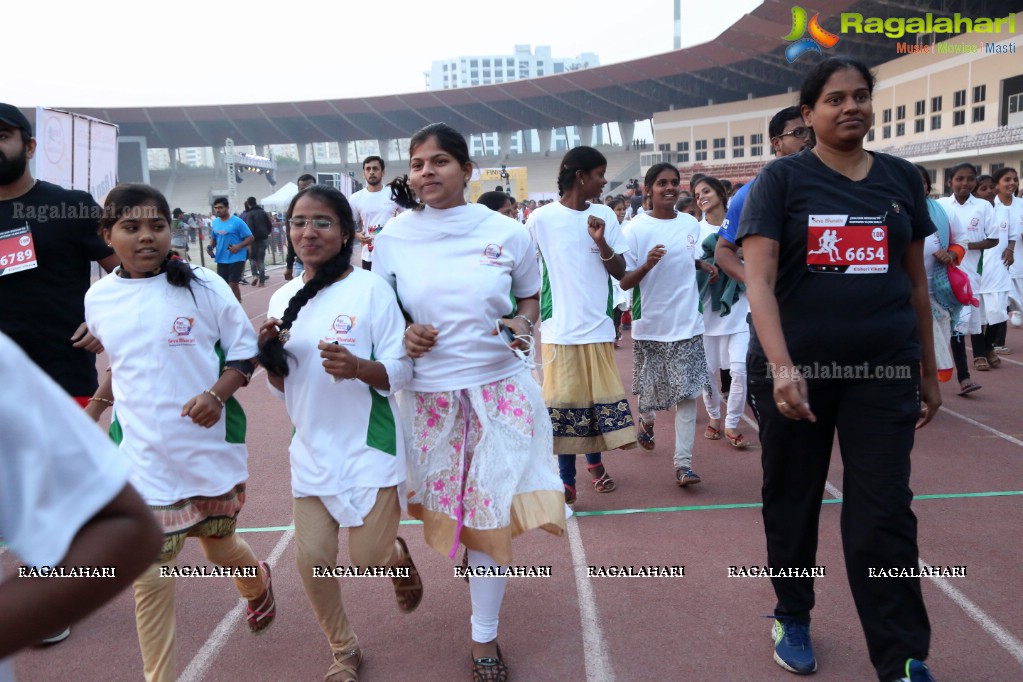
[726,351]
[486,593]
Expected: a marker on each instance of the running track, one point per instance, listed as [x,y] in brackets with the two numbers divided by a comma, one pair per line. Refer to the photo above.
[967,475]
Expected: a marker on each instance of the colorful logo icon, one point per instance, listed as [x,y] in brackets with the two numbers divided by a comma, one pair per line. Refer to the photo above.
[493,251]
[343,324]
[818,36]
[183,325]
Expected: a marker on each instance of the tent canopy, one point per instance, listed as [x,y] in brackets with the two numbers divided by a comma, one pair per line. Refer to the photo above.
[280,199]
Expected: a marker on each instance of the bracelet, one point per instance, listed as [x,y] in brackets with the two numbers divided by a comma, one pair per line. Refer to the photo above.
[613,254]
[248,376]
[101,400]
[528,321]
[209,391]
[356,375]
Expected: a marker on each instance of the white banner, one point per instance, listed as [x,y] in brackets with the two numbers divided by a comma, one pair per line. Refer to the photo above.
[76,152]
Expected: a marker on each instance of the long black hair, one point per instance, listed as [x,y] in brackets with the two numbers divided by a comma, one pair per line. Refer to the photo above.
[272,355]
[123,200]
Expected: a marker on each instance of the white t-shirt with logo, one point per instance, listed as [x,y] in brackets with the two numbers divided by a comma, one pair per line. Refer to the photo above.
[57,468]
[459,270]
[1014,218]
[975,218]
[577,298]
[165,348]
[932,243]
[371,211]
[735,321]
[347,433]
[666,303]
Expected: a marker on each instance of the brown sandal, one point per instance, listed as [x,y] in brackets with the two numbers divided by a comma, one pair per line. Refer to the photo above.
[711,433]
[489,669]
[645,436]
[341,671]
[262,617]
[409,591]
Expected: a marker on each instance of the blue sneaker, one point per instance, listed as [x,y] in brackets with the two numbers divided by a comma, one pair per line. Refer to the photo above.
[792,648]
[916,671]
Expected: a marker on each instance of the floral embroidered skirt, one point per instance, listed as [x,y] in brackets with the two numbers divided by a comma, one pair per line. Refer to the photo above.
[198,517]
[480,469]
[586,399]
[667,372]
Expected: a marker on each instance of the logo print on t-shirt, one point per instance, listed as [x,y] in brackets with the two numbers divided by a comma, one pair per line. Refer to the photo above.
[974,221]
[493,251]
[343,324]
[183,325]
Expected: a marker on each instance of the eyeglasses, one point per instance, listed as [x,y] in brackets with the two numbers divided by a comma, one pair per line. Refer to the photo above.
[800,133]
[317,223]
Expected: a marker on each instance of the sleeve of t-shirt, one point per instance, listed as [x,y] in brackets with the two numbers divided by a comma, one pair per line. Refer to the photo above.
[353,201]
[243,230]
[237,337]
[531,227]
[1016,226]
[86,232]
[389,339]
[763,211]
[990,223]
[526,271]
[731,225]
[57,468]
[632,241]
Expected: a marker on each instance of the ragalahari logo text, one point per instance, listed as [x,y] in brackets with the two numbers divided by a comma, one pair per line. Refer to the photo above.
[818,36]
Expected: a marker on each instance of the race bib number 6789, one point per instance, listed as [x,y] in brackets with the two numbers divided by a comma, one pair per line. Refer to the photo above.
[17,250]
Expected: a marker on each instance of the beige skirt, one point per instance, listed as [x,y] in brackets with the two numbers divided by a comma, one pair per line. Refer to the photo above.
[585,399]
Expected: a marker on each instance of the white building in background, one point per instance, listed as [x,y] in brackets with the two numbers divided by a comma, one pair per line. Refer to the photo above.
[465,72]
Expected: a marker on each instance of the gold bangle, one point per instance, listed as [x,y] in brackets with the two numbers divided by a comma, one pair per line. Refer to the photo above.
[209,391]
[356,376]
[248,377]
[101,400]
[613,254]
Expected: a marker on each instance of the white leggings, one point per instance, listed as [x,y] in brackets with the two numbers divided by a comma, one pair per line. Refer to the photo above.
[726,351]
[487,594]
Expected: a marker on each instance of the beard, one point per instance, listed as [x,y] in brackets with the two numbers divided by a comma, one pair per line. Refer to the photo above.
[11,169]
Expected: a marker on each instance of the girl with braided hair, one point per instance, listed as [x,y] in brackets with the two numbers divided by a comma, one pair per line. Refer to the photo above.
[176,359]
[334,337]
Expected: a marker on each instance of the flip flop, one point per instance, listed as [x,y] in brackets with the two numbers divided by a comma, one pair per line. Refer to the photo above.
[968,387]
[737,441]
[711,433]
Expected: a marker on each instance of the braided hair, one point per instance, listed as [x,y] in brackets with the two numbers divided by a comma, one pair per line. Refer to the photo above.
[272,355]
[125,200]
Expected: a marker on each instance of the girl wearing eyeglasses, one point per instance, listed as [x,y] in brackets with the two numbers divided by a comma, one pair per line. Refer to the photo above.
[833,243]
[479,438]
[332,349]
[180,346]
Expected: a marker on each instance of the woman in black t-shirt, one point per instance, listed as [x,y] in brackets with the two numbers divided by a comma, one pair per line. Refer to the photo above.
[833,245]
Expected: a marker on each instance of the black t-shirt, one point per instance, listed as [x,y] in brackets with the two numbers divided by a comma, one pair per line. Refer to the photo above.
[259,223]
[41,308]
[843,295]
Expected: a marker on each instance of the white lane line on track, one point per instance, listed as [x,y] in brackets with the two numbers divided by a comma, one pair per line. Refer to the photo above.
[1000,634]
[984,427]
[595,653]
[200,665]
[978,615]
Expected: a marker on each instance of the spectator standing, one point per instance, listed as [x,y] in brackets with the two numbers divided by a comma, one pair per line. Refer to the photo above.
[261,226]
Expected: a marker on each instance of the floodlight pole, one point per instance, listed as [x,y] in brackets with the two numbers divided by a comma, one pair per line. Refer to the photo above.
[232,183]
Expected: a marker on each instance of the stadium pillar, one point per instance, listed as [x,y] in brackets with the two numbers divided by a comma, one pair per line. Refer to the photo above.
[303,154]
[342,150]
[504,139]
[383,146]
[627,130]
[585,134]
[172,152]
[545,140]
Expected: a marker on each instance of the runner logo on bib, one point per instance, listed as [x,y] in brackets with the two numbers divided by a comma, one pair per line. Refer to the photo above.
[848,245]
[17,251]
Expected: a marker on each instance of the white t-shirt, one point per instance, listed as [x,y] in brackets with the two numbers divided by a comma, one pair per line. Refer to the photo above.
[371,211]
[347,433]
[165,348]
[995,277]
[735,321]
[1014,218]
[975,218]
[576,301]
[57,468]
[932,243]
[666,303]
[459,270]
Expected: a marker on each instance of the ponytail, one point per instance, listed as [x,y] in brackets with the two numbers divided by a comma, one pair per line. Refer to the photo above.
[402,193]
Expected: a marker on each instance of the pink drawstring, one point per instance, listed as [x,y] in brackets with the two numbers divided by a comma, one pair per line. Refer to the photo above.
[463,399]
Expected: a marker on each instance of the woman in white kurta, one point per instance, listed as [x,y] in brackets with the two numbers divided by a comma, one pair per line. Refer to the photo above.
[726,333]
[332,349]
[1010,208]
[479,439]
[179,345]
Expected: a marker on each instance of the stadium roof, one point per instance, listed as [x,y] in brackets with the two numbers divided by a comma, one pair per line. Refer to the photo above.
[746,60]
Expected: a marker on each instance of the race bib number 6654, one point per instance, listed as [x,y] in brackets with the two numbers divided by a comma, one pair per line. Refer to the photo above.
[17,250]
[836,247]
